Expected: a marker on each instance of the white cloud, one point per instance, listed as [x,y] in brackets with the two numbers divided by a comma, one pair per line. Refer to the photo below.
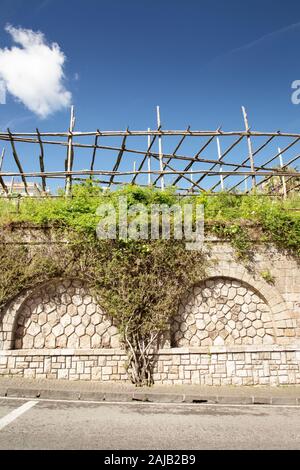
[256,42]
[33,73]
[271,35]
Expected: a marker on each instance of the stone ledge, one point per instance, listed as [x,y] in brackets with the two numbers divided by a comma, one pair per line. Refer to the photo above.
[148,396]
[63,352]
[170,351]
[232,349]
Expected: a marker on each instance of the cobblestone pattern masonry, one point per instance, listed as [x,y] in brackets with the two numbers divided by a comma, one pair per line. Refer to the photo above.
[282,296]
[60,314]
[222,311]
[268,365]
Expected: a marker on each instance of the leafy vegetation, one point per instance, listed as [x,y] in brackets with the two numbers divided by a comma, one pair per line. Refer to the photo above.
[267,276]
[279,219]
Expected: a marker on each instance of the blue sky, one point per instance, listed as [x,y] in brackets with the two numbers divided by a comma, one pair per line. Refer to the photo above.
[200,61]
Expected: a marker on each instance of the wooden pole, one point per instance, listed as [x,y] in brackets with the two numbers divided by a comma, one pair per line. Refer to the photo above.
[161,167]
[195,133]
[54,174]
[18,163]
[283,177]
[149,159]
[221,167]
[118,161]
[247,128]
[94,152]
[41,159]
[23,137]
[4,187]
[69,162]
[2,158]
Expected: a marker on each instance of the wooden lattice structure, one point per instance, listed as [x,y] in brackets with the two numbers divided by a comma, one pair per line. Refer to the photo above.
[192,160]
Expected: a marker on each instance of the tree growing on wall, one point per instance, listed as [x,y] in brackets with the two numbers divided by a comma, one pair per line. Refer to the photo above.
[140,285]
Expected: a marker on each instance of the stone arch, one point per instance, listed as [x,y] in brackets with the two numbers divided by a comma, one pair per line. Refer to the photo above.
[282,315]
[223,311]
[60,313]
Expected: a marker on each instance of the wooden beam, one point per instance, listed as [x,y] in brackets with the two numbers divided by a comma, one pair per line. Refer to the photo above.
[41,160]
[194,133]
[18,163]
[70,158]
[94,152]
[2,158]
[283,177]
[3,185]
[161,165]
[149,159]
[118,161]
[249,143]
[173,172]
[220,159]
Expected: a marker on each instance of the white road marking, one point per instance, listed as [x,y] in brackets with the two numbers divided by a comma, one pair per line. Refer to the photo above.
[16,413]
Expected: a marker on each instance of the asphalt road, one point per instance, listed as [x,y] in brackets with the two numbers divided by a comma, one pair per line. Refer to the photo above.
[43,424]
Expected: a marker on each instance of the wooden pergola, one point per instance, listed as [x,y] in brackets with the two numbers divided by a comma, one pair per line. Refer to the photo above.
[251,161]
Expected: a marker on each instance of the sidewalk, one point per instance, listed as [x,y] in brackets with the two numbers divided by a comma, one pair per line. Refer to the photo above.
[117,392]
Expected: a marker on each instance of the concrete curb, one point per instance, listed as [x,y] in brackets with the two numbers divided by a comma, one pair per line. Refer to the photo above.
[146,397]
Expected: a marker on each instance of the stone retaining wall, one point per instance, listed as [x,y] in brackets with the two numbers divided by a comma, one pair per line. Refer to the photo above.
[233,327]
[264,365]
